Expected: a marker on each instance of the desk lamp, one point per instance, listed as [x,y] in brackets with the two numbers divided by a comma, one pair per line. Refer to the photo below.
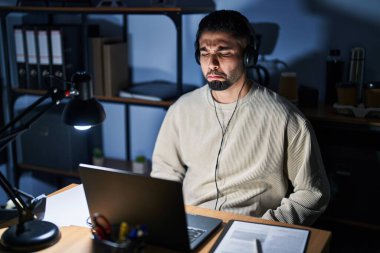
[82,112]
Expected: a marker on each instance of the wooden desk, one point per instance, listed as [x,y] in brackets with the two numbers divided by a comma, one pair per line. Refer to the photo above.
[77,239]
[318,242]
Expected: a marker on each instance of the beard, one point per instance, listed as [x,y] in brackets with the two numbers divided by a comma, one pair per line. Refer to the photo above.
[222,85]
[219,85]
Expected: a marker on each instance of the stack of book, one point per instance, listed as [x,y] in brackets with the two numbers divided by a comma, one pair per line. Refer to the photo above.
[109,65]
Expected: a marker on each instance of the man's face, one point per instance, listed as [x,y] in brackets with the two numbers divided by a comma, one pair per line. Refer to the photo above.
[220,57]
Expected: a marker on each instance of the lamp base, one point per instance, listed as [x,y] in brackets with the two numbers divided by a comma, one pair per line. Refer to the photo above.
[31,236]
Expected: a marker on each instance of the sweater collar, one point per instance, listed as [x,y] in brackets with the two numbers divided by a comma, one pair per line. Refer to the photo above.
[230,106]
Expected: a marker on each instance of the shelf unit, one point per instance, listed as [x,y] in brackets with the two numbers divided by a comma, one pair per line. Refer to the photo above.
[108,162]
[174,13]
[349,148]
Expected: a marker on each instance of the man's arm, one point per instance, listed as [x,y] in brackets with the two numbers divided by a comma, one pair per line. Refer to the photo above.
[167,162]
[306,172]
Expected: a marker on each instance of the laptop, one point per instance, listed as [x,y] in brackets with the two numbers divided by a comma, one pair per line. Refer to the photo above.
[139,199]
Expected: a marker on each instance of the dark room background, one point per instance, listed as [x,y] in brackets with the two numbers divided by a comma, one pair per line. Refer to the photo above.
[308,29]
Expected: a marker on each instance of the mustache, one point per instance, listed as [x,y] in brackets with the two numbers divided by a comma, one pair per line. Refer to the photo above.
[213,72]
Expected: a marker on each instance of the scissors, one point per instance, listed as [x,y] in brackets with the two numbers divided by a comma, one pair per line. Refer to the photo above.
[101,227]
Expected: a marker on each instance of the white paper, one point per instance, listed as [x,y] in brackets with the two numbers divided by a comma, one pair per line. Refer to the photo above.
[68,208]
[246,237]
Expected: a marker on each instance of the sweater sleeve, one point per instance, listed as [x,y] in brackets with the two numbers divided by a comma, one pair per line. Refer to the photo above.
[305,170]
[167,163]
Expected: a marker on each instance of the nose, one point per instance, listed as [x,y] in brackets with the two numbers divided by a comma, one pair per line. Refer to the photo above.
[213,62]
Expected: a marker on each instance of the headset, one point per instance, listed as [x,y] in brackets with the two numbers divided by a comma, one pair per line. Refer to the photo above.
[250,53]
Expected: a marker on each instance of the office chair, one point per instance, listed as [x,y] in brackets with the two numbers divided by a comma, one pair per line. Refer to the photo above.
[266,36]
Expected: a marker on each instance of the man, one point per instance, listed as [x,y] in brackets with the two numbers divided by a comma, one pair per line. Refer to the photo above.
[235,145]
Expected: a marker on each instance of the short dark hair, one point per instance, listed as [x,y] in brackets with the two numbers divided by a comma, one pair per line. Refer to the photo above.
[228,21]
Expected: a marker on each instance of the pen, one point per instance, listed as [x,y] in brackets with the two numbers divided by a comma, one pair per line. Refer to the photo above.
[101,227]
[257,246]
[123,230]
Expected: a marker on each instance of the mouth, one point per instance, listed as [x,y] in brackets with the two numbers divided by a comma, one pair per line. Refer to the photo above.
[213,77]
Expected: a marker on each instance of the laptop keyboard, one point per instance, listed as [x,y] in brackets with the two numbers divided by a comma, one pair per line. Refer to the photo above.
[194,233]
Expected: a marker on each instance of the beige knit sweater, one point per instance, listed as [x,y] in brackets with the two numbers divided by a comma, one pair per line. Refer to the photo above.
[269,148]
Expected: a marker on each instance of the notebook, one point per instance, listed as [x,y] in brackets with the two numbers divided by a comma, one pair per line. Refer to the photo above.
[138,199]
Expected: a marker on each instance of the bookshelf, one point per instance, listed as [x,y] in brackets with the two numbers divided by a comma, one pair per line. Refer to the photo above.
[11,90]
[129,101]
[108,162]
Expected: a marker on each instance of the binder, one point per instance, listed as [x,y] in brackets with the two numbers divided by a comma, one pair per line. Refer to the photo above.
[115,66]
[66,42]
[43,57]
[21,63]
[31,49]
[57,53]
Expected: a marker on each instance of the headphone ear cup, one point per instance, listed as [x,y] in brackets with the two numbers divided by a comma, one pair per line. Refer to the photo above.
[197,56]
[250,56]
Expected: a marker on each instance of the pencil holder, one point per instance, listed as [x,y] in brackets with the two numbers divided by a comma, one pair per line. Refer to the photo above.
[107,246]
[133,243]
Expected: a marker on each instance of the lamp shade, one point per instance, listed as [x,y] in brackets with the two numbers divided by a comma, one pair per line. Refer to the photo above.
[83,113]
[83,109]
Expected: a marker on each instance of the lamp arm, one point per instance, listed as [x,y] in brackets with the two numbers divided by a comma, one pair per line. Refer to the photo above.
[25,112]
[31,234]
[55,94]
[25,212]
[13,134]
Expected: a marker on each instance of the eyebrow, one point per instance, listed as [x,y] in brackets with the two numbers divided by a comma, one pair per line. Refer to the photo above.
[220,48]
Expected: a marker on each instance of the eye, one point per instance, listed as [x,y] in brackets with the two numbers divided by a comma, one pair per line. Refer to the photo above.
[225,54]
[204,54]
